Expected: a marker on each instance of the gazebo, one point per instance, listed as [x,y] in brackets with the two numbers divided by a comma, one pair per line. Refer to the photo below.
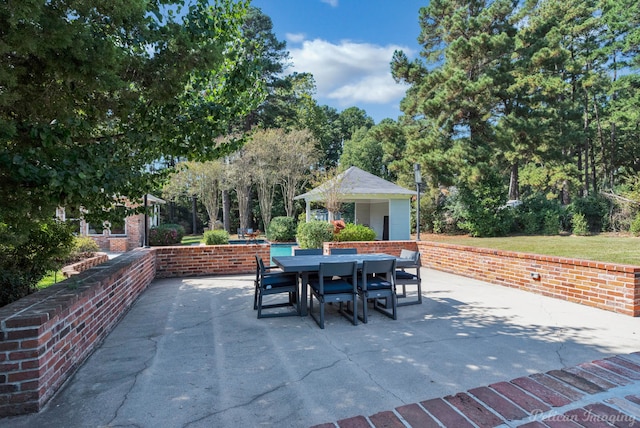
[383,206]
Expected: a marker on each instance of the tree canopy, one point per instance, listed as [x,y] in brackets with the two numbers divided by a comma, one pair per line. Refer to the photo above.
[93,94]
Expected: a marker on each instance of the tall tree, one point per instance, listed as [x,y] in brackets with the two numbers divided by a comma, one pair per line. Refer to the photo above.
[92,93]
[363,151]
[298,154]
[454,94]
[199,179]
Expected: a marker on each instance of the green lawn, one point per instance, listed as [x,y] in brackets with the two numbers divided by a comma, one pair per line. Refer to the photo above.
[191,239]
[51,278]
[604,247]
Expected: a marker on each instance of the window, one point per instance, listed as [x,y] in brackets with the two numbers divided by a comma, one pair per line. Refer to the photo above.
[116,225]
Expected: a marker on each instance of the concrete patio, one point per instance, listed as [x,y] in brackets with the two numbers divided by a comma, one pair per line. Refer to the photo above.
[191,353]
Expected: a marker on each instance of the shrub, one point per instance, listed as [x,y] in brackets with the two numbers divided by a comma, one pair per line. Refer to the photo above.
[635,226]
[580,225]
[26,259]
[551,224]
[595,210]
[216,237]
[282,229]
[537,214]
[314,233]
[166,234]
[355,232]
[83,248]
[84,244]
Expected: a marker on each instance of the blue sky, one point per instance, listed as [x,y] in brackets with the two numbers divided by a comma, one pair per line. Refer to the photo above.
[347,45]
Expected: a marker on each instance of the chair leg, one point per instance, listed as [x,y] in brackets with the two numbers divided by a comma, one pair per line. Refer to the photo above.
[259,305]
[355,309]
[365,311]
[321,303]
[394,305]
[255,295]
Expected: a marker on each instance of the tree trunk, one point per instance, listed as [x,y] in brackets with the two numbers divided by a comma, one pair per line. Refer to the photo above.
[194,228]
[226,211]
[514,185]
[587,144]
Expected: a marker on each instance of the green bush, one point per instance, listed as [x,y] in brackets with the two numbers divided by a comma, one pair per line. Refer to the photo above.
[595,210]
[314,233]
[166,234]
[580,225]
[355,232]
[216,237]
[536,215]
[282,229]
[551,224]
[635,226]
[83,247]
[26,258]
[479,208]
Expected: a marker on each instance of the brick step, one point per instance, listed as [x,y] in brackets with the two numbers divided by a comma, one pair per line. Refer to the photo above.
[602,393]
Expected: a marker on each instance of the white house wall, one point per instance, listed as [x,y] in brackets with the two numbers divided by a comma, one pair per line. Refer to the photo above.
[378,211]
[399,219]
[363,214]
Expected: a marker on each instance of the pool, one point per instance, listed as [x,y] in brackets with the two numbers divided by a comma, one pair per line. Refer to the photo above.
[281,250]
[247,241]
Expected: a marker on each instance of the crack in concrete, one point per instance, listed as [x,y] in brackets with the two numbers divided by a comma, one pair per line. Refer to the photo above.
[147,364]
[262,394]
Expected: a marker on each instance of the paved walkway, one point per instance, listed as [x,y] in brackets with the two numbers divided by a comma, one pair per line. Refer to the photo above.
[191,353]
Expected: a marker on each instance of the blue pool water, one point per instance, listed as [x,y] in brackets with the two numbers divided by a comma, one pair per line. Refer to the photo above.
[281,250]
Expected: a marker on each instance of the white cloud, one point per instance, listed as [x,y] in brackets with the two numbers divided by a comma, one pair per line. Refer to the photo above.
[350,73]
[295,37]
[332,3]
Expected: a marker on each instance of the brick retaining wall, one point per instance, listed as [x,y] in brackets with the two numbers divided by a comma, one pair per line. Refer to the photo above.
[609,286]
[209,259]
[387,247]
[81,266]
[46,336]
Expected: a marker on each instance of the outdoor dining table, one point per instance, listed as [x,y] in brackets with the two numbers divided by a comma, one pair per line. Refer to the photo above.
[304,265]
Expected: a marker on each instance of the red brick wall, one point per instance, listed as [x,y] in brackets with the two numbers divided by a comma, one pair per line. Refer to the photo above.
[387,247]
[603,285]
[85,264]
[209,259]
[45,337]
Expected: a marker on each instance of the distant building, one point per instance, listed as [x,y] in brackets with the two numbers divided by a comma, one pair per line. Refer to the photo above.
[383,206]
[117,236]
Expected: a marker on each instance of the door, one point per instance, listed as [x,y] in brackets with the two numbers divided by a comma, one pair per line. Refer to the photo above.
[385,228]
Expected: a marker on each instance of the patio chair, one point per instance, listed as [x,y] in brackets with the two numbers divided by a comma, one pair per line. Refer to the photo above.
[377,282]
[333,251]
[404,278]
[269,282]
[307,252]
[336,282]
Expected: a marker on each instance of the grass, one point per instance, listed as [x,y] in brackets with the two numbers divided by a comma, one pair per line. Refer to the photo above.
[52,277]
[191,239]
[604,247]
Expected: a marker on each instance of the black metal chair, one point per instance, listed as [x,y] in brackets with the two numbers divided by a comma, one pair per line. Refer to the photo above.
[307,251]
[336,282]
[268,282]
[377,282]
[333,251]
[411,260]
